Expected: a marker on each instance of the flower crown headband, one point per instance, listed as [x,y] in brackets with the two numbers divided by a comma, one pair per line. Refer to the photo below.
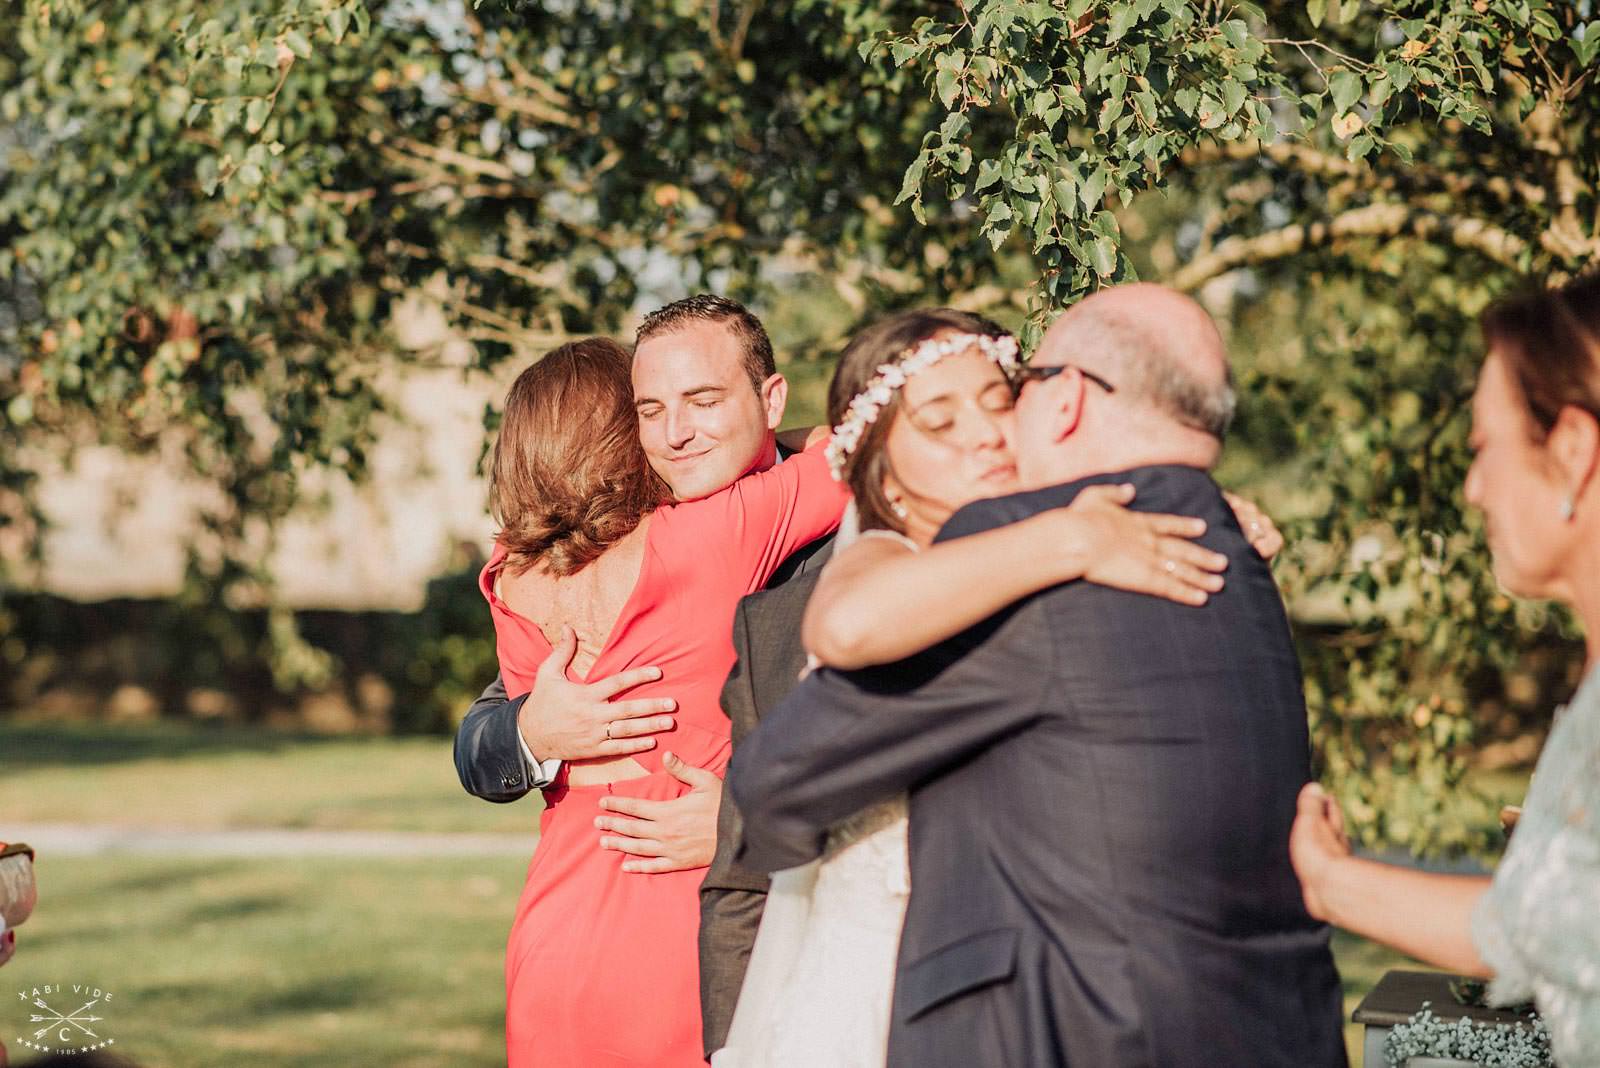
[866,406]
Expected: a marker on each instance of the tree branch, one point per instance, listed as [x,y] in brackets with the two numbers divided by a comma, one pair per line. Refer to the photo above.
[1312,161]
[1374,220]
[496,94]
[742,31]
[409,147]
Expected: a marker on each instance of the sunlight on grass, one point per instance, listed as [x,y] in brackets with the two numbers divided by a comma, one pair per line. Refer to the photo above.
[164,775]
[314,963]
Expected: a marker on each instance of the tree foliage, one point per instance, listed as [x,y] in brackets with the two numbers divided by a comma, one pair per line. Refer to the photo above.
[210,207]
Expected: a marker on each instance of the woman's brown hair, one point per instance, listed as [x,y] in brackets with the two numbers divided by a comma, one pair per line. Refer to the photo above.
[569,478]
[881,343]
[1550,341]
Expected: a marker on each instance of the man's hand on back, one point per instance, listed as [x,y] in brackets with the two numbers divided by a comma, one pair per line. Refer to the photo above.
[566,720]
[665,835]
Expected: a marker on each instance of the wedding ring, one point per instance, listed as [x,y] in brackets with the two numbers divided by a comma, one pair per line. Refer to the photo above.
[1255,528]
[608,729]
[1171,566]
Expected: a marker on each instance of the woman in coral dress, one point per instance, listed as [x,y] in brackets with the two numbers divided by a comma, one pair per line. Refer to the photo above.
[601,965]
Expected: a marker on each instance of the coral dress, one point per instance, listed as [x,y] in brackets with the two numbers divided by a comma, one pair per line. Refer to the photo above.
[602,966]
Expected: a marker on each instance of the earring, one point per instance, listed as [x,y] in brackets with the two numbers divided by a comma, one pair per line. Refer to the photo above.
[1569,508]
[898,509]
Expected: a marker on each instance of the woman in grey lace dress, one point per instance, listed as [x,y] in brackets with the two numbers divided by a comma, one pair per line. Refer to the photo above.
[1535,926]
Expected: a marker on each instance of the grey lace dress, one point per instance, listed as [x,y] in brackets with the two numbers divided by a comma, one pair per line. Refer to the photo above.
[1538,926]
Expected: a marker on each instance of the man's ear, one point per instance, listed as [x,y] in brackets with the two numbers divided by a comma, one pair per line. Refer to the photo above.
[1573,444]
[1065,405]
[774,398]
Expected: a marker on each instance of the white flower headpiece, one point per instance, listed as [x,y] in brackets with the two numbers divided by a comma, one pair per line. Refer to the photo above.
[866,406]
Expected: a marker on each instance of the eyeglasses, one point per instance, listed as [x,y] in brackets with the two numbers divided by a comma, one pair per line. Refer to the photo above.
[1031,373]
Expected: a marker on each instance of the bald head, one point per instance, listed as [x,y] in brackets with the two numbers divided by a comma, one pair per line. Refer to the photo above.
[1157,389]
[1158,346]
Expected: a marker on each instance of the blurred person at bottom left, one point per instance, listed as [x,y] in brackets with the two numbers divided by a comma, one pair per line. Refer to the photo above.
[18,894]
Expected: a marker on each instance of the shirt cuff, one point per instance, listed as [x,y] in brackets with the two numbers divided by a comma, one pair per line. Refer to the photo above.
[541,773]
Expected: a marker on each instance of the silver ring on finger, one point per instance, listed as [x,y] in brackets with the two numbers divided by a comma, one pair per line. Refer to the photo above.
[1171,566]
[609,724]
[1255,529]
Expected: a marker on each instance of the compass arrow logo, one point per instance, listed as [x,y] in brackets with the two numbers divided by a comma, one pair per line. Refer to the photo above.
[54,1020]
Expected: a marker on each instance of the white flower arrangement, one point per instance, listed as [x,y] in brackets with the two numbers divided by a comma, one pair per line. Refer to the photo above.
[866,406]
[1467,1041]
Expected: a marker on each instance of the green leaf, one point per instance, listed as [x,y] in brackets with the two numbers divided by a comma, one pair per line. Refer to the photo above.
[1485,80]
[1111,112]
[1233,95]
[1315,10]
[1094,64]
[255,115]
[1122,19]
[1360,146]
[1236,32]
[988,174]
[1065,191]
[1093,188]
[338,24]
[948,84]
[997,235]
[1186,99]
[1346,87]
[1585,42]
[298,44]
[1103,256]
[911,185]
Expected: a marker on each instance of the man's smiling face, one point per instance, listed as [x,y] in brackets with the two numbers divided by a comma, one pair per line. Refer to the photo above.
[702,422]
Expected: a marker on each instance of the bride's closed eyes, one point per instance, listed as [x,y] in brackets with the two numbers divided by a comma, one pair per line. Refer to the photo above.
[940,415]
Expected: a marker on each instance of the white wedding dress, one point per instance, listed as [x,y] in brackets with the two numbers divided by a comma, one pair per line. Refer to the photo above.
[821,976]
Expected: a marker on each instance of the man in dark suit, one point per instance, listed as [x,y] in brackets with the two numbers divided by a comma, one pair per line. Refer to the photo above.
[1102,783]
[766,637]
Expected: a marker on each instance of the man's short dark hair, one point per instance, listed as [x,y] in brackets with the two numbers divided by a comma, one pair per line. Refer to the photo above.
[709,308]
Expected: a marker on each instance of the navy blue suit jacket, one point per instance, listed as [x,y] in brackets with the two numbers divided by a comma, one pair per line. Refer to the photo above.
[1102,785]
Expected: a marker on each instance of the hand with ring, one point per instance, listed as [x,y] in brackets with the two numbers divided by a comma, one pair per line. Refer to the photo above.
[672,835]
[1143,552]
[1258,527]
[566,720]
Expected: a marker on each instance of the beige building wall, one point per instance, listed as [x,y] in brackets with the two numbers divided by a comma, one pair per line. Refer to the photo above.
[121,525]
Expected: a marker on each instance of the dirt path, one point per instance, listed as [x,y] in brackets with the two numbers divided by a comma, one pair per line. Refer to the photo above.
[81,840]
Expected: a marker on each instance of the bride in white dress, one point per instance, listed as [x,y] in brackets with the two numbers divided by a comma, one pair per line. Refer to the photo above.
[921,407]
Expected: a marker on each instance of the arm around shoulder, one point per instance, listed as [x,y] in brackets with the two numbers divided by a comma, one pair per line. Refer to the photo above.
[842,741]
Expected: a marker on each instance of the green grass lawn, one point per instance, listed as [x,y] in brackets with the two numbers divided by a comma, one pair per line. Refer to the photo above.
[309,963]
[276,962]
[175,775]
[305,963]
